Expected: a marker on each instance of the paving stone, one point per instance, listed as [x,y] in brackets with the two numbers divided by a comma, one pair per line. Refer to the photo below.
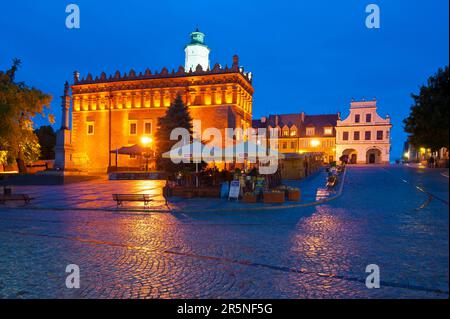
[305,252]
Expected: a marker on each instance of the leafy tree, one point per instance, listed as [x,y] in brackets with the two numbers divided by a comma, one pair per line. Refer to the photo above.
[18,105]
[47,140]
[177,115]
[3,158]
[428,121]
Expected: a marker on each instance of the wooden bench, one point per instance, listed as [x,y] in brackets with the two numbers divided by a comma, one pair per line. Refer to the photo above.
[332,181]
[15,197]
[120,198]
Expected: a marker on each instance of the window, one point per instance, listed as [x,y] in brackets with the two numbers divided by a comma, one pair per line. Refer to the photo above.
[345,136]
[379,135]
[132,156]
[293,145]
[285,132]
[357,118]
[147,127]
[310,131]
[133,128]
[284,145]
[293,132]
[328,131]
[368,118]
[368,135]
[90,128]
[356,136]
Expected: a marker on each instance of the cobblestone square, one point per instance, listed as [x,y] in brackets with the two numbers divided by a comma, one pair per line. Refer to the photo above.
[395,217]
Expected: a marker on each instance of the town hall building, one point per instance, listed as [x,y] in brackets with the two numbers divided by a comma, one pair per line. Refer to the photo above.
[112,112]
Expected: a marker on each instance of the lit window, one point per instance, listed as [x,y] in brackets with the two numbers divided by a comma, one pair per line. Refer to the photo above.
[286,133]
[293,145]
[310,131]
[147,127]
[90,129]
[133,128]
[293,132]
[328,131]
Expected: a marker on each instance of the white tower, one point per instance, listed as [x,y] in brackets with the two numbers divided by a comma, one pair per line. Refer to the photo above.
[196,52]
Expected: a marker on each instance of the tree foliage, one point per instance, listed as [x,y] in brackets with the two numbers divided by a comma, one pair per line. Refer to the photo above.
[18,106]
[47,140]
[177,115]
[427,124]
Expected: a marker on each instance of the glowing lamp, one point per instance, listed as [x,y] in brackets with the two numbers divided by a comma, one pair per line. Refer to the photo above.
[145,140]
[315,143]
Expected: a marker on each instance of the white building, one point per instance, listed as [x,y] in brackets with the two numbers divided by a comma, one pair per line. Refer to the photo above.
[197,52]
[364,136]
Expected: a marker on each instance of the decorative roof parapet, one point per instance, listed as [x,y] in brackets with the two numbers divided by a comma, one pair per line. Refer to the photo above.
[217,69]
[363,104]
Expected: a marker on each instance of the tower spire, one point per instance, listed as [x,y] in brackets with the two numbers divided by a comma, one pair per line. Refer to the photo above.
[197,52]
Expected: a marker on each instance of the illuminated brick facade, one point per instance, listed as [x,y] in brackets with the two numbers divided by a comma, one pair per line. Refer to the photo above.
[116,111]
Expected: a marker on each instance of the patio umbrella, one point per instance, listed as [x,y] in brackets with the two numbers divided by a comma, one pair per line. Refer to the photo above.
[195,152]
[135,149]
[249,150]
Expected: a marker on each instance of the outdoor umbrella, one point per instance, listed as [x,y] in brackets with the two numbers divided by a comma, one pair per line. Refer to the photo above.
[194,152]
[249,150]
[135,149]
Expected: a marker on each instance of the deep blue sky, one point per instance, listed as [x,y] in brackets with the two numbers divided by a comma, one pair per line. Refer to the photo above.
[311,56]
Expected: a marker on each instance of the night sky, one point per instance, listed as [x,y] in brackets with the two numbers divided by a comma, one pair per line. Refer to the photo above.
[312,56]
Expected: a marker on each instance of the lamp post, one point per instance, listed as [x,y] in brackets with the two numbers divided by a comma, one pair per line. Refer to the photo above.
[146,141]
[110,96]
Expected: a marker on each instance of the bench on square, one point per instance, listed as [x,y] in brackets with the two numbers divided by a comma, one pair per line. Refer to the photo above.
[120,198]
[15,197]
[332,181]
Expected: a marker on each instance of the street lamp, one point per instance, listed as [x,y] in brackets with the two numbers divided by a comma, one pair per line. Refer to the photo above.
[315,143]
[146,141]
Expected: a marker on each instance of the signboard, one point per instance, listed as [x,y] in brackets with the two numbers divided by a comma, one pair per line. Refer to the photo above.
[224,190]
[235,188]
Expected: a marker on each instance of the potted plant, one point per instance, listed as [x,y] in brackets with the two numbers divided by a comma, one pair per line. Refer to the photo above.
[274,196]
[293,194]
[249,197]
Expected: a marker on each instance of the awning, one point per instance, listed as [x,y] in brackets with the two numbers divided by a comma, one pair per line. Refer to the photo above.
[135,149]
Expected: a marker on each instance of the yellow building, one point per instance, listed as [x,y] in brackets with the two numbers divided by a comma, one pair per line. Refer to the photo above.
[301,133]
[111,112]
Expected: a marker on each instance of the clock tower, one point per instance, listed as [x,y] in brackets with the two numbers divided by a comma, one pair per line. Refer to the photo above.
[197,53]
